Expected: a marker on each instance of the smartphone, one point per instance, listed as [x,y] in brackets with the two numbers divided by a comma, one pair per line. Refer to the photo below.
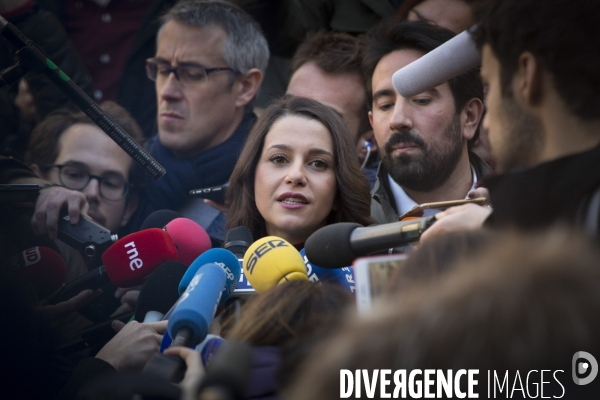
[442,205]
[371,275]
[216,193]
[19,193]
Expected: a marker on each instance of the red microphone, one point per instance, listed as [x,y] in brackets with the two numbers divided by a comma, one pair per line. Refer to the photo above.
[189,238]
[43,267]
[126,263]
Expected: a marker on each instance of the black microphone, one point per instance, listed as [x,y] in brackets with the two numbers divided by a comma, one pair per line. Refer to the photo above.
[32,58]
[159,218]
[160,292]
[237,240]
[90,239]
[228,372]
[338,245]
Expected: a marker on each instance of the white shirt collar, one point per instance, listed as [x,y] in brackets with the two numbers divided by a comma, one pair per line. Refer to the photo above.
[404,203]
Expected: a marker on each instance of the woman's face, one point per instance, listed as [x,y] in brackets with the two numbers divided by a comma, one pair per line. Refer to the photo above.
[295,183]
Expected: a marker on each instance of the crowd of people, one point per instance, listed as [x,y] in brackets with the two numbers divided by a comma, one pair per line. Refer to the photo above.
[290,107]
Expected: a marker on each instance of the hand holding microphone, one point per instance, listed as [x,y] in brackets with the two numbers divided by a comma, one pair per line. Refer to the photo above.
[126,263]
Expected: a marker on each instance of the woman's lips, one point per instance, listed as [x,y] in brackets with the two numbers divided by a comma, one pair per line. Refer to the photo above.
[292,201]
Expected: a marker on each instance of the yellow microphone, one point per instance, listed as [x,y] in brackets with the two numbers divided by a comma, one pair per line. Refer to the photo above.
[271,261]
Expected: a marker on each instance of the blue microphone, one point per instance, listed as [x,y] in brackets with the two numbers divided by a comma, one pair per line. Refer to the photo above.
[195,309]
[225,259]
[343,277]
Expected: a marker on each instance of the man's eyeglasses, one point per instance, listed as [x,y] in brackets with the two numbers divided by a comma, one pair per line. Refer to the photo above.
[186,74]
[112,187]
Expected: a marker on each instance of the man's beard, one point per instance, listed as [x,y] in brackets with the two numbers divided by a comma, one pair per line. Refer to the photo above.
[522,138]
[430,168]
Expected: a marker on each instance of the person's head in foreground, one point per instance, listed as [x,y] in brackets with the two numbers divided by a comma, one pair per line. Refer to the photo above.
[298,171]
[526,303]
[541,66]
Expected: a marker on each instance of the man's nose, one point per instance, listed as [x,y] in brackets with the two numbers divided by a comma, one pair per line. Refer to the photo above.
[170,89]
[92,190]
[401,116]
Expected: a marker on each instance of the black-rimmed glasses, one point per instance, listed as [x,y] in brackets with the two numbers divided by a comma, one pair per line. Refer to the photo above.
[112,187]
[186,74]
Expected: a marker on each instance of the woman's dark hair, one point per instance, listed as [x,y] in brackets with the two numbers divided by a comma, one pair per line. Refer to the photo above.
[352,198]
[288,312]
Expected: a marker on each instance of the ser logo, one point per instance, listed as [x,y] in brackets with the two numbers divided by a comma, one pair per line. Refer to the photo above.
[262,250]
[585,368]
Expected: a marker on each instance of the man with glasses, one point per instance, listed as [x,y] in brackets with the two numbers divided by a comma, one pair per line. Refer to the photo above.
[70,150]
[209,64]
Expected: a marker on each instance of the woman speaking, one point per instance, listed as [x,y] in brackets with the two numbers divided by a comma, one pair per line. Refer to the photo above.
[297,172]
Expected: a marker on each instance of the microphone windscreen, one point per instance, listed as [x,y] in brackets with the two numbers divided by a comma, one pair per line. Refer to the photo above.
[221,257]
[343,277]
[455,57]
[160,290]
[159,218]
[229,371]
[329,247]
[271,261]
[197,305]
[43,267]
[189,238]
[132,258]
[237,240]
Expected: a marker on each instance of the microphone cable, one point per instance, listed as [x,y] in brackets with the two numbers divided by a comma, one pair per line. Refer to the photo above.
[368,146]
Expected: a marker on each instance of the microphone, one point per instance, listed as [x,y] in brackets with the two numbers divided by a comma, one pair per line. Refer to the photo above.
[271,261]
[159,218]
[42,267]
[338,245]
[455,57]
[223,258]
[90,239]
[193,313]
[343,277]
[159,292]
[237,240]
[228,374]
[126,263]
[32,58]
[189,238]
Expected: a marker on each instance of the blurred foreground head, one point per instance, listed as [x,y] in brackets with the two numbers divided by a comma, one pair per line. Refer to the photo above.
[525,303]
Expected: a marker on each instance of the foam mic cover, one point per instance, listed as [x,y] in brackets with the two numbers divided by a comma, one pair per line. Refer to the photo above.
[159,218]
[455,57]
[42,267]
[225,259]
[338,245]
[189,238]
[229,371]
[237,240]
[271,261]
[196,307]
[132,258]
[343,277]
[159,292]
[329,247]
